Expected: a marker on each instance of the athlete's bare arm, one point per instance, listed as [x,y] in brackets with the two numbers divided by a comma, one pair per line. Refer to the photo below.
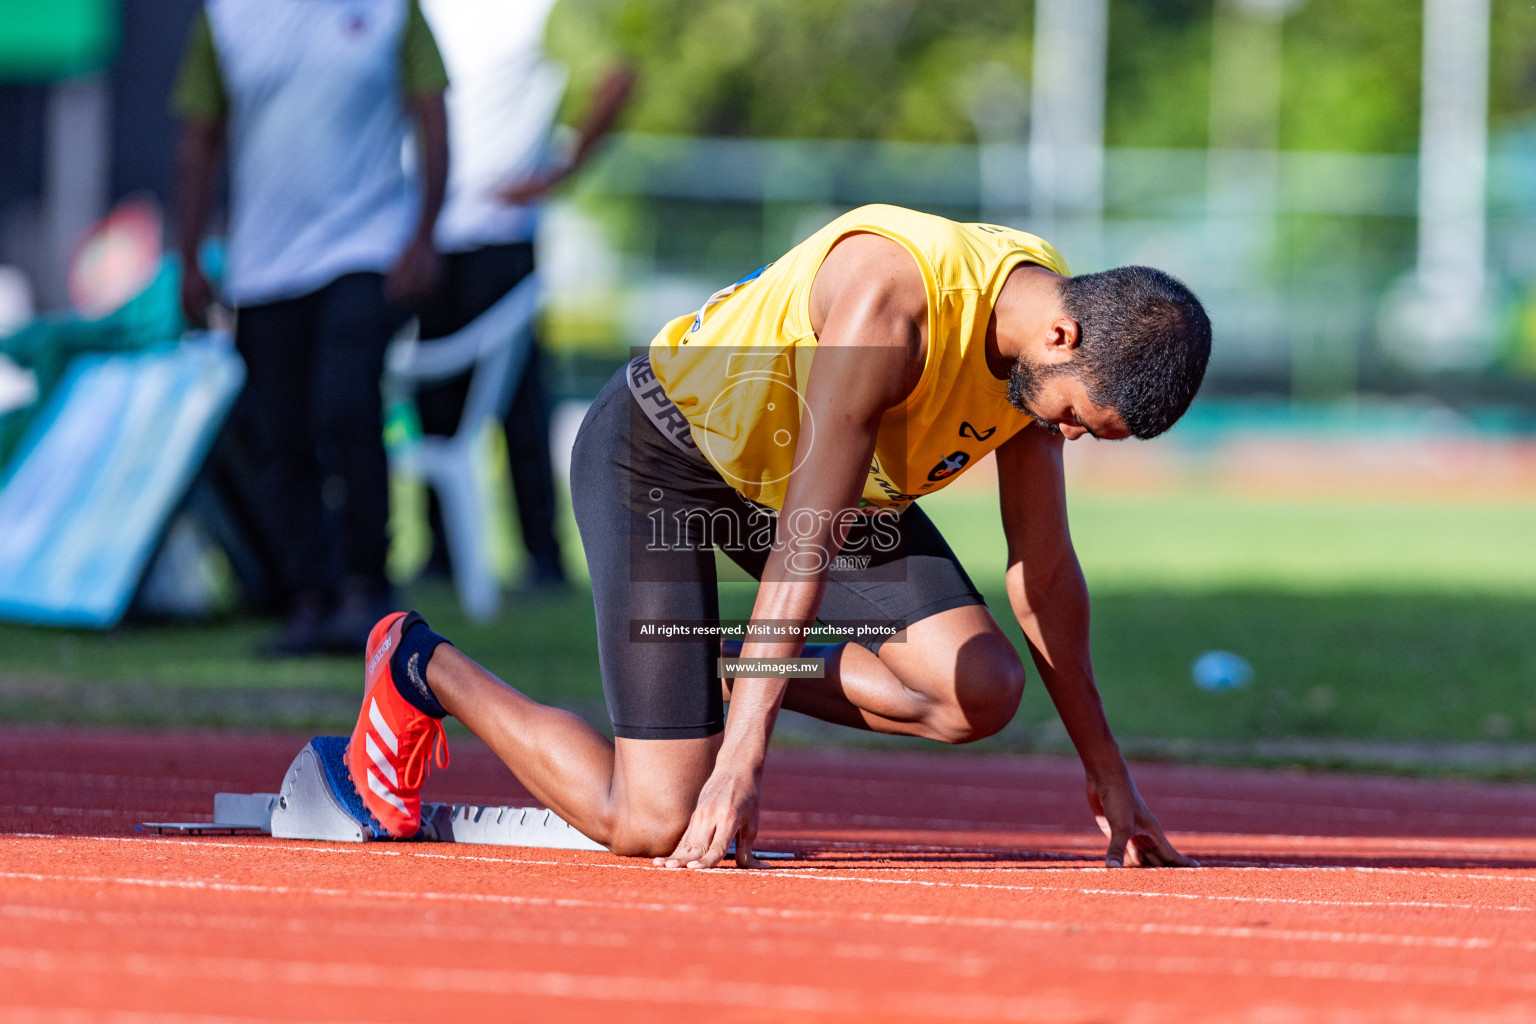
[1050,598]
[869,311]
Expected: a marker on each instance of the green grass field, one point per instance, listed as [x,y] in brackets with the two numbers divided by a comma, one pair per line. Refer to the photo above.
[1406,622]
[1361,620]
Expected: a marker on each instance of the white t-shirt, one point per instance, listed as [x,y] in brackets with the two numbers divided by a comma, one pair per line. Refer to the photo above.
[503,95]
[317,123]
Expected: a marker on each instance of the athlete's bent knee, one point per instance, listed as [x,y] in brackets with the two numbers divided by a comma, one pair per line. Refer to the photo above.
[986,699]
[646,835]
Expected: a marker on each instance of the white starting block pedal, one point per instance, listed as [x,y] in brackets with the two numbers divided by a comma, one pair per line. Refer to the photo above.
[233,814]
[318,801]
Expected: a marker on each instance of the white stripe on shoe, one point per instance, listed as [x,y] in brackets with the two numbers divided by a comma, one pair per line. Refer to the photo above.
[384,792]
[382,727]
[386,769]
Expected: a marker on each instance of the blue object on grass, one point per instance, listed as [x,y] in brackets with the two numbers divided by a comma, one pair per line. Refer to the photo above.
[100,473]
[1221,670]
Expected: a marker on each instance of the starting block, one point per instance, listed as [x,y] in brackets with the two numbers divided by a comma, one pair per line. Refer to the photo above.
[318,801]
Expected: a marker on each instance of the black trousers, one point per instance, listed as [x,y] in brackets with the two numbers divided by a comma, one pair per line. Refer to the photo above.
[473,282]
[311,424]
[651,518]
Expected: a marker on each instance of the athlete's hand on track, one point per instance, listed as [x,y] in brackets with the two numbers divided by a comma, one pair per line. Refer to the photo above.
[414,274]
[1135,837]
[727,809]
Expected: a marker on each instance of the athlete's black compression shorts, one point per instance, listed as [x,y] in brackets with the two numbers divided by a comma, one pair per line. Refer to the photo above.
[652,510]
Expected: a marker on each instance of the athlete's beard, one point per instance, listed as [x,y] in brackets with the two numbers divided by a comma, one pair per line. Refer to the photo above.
[1024,383]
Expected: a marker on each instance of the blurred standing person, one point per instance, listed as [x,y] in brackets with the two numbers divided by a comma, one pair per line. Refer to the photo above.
[330,241]
[505,95]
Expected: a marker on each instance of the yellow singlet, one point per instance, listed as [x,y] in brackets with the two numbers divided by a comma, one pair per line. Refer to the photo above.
[737,368]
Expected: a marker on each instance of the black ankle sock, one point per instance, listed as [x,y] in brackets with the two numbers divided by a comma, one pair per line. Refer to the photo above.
[408,665]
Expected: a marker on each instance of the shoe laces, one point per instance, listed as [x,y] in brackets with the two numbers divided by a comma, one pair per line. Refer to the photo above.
[427,742]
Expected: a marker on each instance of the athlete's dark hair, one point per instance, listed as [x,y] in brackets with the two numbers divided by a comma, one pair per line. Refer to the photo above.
[1143,340]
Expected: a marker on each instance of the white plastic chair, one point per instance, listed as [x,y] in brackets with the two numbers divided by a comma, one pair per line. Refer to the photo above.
[494,351]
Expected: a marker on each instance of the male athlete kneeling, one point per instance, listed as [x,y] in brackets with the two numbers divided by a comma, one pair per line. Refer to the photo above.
[792,422]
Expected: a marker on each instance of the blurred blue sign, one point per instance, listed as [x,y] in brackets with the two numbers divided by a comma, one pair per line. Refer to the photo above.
[99,475]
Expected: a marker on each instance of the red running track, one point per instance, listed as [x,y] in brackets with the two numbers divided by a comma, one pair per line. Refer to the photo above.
[927,887]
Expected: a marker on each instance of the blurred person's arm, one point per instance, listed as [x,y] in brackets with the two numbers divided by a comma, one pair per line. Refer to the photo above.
[608,103]
[1050,599]
[423,79]
[200,101]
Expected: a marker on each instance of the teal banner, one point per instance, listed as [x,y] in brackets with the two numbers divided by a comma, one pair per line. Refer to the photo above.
[101,472]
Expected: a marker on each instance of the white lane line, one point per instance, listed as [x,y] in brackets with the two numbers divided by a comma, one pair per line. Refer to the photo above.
[818,874]
[524,936]
[415,850]
[1477,877]
[1091,844]
[1527,875]
[1274,900]
[1513,845]
[959,855]
[685,908]
[1248,867]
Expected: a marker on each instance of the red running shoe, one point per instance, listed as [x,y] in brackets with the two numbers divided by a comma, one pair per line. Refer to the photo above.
[393,740]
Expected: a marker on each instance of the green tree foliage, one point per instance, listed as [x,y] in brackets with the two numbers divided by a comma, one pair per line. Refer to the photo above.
[1351,78]
[1352,73]
[908,69]
[884,69]
[1159,73]
[1512,91]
